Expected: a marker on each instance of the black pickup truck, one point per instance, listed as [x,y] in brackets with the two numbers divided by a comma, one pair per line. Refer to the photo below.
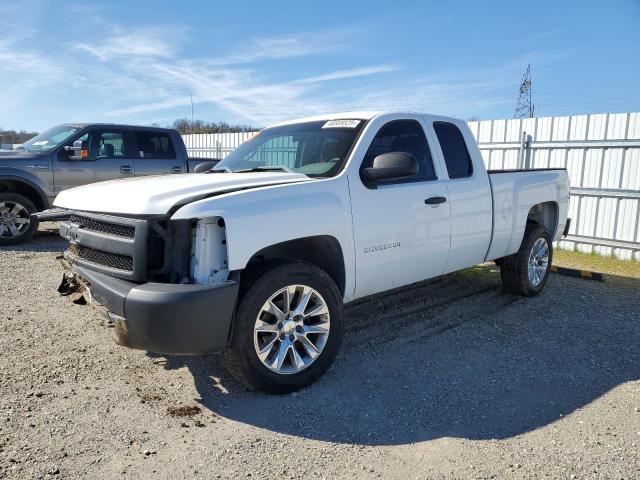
[76,154]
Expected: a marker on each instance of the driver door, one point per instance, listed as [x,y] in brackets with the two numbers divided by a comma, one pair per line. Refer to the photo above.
[110,156]
[401,227]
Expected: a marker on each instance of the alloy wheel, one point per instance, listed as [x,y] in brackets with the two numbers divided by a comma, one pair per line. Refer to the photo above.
[538,261]
[291,329]
[14,219]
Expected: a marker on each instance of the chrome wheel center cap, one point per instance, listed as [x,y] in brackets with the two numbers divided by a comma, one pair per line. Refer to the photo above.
[288,326]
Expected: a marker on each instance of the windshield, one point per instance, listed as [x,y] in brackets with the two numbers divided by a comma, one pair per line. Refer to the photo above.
[49,139]
[317,149]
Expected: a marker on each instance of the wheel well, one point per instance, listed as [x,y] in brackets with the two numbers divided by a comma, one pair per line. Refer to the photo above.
[323,251]
[22,188]
[545,214]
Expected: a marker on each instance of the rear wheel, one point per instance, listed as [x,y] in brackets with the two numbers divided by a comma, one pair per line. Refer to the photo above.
[16,225]
[526,272]
[287,329]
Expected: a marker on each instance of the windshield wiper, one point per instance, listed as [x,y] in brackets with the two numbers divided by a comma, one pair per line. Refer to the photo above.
[266,168]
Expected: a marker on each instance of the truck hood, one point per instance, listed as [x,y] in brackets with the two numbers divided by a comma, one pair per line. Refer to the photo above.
[16,154]
[156,195]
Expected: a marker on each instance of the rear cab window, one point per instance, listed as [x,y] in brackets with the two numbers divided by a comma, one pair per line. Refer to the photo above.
[155,145]
[454,149]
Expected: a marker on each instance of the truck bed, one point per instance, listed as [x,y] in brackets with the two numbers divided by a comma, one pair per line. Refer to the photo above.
[514,192]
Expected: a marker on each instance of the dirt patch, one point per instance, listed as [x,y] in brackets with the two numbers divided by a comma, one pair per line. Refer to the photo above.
[183,411]
[148,396]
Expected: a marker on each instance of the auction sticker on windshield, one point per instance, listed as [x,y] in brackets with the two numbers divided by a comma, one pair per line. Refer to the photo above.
[341,124]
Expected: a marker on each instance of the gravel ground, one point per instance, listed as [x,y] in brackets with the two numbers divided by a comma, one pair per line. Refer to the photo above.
[447,379]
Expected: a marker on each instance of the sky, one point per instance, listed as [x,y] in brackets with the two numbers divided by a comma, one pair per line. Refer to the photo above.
[257,63]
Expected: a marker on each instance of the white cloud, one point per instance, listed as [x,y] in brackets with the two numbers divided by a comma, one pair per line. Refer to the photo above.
[243,96]
[289,46]
[137,43]
[22,68]
[152,69]
[132,74]
[349,73]
[229,83]
[150,107]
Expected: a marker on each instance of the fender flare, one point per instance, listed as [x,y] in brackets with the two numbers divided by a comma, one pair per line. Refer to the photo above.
[17,175]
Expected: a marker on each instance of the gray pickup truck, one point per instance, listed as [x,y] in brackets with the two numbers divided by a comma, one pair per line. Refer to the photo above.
[71,155]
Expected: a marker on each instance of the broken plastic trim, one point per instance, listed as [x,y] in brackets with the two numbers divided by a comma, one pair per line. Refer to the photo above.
[71,286]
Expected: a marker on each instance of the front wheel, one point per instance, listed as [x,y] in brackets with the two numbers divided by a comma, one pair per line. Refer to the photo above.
[287,329]
[526,272]
[16,225]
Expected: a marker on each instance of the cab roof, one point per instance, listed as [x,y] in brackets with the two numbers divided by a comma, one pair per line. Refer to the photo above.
[117,125]
[361,115]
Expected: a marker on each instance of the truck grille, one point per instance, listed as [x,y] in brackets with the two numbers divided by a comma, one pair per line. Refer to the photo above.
[87,223]
[106,259]
[115,246]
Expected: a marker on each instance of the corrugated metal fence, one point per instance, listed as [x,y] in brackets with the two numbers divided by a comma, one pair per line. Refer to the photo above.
[601,153]
[214,145]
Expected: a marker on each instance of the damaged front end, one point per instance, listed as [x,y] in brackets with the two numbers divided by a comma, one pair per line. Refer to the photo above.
[135,249]
[139,273]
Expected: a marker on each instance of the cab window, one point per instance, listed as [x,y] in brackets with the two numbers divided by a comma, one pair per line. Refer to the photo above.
[101,144]
[155,145]
[403,136]
[454,149]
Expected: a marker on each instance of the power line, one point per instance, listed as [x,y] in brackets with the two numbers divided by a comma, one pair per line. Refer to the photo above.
[525,107]
[570,95]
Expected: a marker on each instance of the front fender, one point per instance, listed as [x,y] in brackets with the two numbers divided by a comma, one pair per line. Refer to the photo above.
[43,190]
[258,218]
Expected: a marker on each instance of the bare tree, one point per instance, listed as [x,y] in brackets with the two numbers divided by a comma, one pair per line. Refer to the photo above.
[13,136]
[185,126]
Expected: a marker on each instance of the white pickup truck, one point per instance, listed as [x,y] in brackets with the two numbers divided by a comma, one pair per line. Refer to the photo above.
[257,256]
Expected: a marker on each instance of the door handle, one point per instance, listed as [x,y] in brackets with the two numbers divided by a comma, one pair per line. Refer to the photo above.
[435,200]
[126,169]
[176,169]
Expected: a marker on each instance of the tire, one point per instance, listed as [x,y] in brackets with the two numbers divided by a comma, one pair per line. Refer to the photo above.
[260,285]
[515,272]
[16,225]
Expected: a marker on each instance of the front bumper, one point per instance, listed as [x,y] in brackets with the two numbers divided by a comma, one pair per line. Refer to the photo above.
[51,215]
[179,319]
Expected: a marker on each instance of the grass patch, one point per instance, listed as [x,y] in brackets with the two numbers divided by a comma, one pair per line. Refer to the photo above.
[596,263]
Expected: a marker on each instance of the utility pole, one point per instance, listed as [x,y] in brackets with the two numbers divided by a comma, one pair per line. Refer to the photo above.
[191,109]
[525,107]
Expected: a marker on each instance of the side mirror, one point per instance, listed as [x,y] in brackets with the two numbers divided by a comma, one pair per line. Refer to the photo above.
[392,166]
[78,151]
[206,166]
